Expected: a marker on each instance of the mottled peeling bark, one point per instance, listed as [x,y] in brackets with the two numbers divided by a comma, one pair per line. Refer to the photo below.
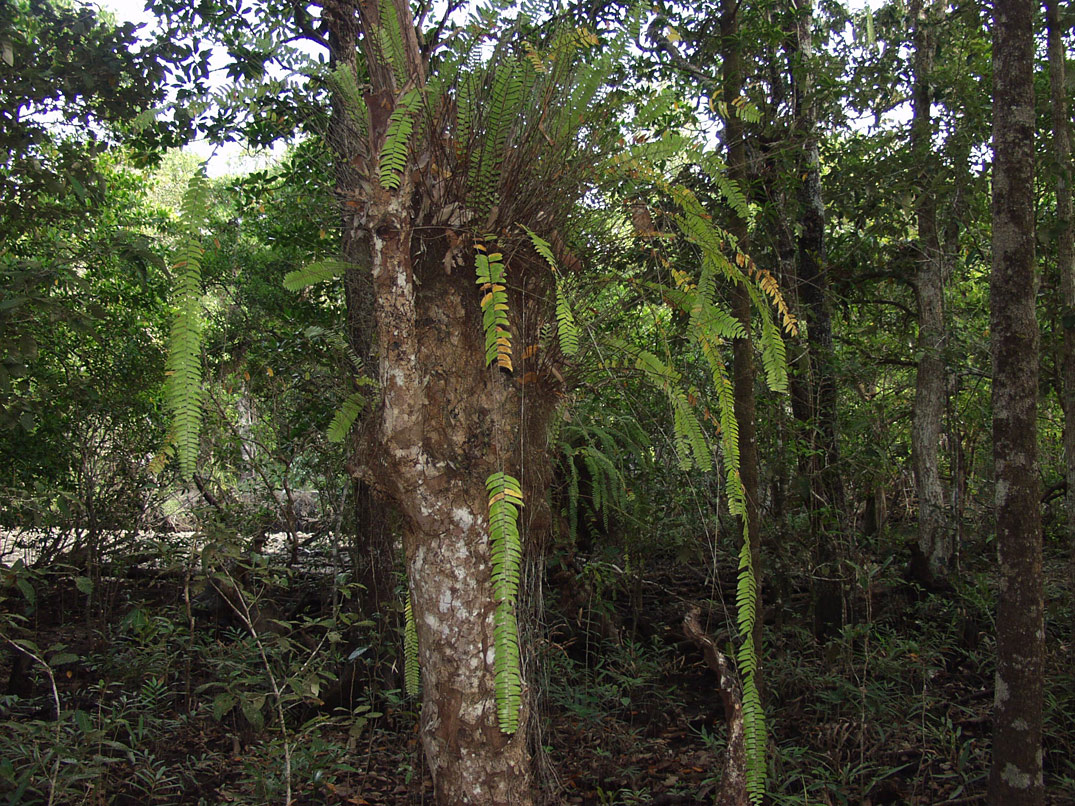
[934,538]
[1016,774]
[444,423]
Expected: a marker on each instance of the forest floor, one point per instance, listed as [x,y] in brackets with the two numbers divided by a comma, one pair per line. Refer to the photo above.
[160,706]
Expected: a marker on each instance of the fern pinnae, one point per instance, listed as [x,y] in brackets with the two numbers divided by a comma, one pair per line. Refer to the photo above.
[567,330]
[389,34]
[491,278]
[343,81]
[505,500]
[321,271]
[345,417]
[412,678]
[397,141]
[183,390]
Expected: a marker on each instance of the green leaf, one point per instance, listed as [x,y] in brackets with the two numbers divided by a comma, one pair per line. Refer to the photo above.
[319,272]
[505,499]
[345,417]
[222,704]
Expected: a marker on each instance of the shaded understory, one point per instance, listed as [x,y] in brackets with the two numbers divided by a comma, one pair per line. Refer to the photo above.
[168,696]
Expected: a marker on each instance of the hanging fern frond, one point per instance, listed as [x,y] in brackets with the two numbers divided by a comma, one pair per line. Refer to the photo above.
[321,271]
[491,273]
[389,37]
[732,194]
[692,448]
[344,82]
[345,417]
[746,605]
[773,356]
[543,248]
[506,552]
[567,330]
[397,139]
[412,678]
[183,390]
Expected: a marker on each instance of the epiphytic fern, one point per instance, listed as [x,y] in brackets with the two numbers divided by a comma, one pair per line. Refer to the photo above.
[567,330]
[397,139]
[389,39]
[412,678]
[721,261]
[501,114]
[344,82]
[345,417]
[320,271]
[692,449]
[506,551]
[183,368]
[490,270]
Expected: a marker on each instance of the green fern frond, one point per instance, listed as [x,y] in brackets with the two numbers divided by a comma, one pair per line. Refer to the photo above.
[692,449]
[732,194]
[774,356]
[498,119]
[542,247]
[412,678]
[746,600]
[345,417]
[491,279]
[183,392]
[397,141]
[319,272]
[389,37]
[566,328]
[506,551]
[343,81]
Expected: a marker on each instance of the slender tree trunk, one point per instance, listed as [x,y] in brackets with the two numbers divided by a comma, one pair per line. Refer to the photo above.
[934,549]
[1016,775]
[742,349]
[827,497]
[1065,254]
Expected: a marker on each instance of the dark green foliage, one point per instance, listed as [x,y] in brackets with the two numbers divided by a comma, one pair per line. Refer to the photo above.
[65,64]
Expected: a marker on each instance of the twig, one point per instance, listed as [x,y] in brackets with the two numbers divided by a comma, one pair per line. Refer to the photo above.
[242,609]
[733,780]
[56,701]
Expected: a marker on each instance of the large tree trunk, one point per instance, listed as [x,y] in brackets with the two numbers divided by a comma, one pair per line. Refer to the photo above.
[444,425]
[1016,774]
[445,422]
[1065,254]
[934,539]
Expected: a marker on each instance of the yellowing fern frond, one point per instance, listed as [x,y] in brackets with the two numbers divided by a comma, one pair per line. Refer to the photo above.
[491,272]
